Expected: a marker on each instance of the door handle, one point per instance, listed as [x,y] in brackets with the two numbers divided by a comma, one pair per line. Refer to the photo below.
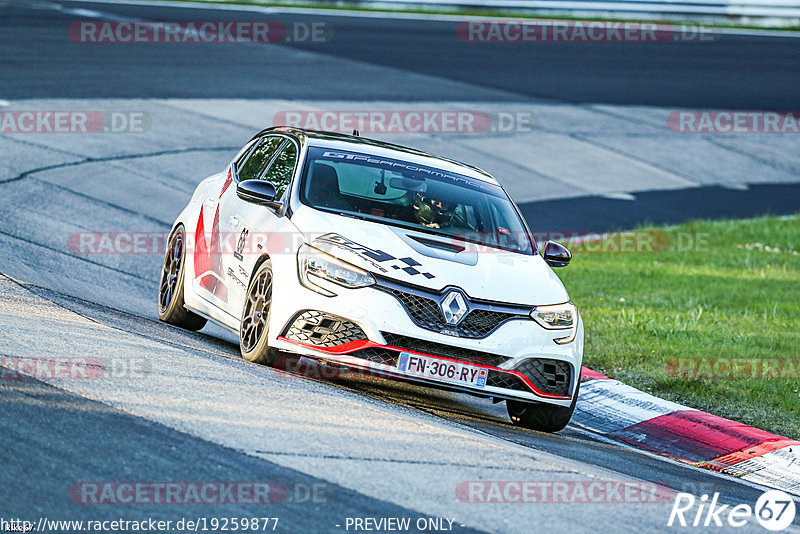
[210,202]
[233,220]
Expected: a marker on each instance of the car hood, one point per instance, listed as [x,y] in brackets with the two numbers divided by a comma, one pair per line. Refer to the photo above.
[432,261]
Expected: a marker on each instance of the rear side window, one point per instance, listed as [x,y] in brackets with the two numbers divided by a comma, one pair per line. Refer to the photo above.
[282,169]
[258,159]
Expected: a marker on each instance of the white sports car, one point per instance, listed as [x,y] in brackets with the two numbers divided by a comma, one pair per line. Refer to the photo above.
[379,257]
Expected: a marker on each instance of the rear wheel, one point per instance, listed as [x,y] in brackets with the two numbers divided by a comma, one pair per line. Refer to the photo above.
[254,326]
[542,417]
[170,286]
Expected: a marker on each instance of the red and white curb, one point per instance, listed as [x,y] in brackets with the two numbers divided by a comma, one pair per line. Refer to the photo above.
[626,414]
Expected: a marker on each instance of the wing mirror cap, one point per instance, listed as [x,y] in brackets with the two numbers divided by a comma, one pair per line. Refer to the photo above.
[556,254]
[258,192]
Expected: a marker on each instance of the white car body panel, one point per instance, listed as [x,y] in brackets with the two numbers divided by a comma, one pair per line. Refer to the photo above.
[216,278]
[491,274]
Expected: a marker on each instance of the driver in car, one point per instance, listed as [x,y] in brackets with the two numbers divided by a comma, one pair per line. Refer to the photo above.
[433,212]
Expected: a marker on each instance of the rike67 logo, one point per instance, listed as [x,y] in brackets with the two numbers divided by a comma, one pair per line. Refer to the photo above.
[774,510]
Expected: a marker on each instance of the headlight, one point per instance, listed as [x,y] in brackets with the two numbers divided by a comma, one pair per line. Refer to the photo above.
[315,265]
[558,317]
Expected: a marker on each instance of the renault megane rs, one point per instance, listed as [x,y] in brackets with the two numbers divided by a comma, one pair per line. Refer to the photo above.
[380,257]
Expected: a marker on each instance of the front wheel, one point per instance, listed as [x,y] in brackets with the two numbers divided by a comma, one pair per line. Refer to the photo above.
[542,417]
[254,326]
[170,286]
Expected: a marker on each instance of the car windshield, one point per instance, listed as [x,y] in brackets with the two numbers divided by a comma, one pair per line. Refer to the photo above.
[412,196]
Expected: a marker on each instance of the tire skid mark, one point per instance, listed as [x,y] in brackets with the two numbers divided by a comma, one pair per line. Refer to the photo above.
[61,300]
[123,157]
[165,224]
[81,258]
[389,460]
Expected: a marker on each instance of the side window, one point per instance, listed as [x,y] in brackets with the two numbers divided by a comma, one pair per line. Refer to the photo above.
[282,169]
[245,152]
[465,215]
[259,158]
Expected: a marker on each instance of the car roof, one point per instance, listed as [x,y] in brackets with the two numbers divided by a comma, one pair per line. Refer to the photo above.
[381,148]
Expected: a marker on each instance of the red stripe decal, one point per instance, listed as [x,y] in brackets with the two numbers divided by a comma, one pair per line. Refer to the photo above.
[206,259]
[202,261]
[345,348]
[228,182]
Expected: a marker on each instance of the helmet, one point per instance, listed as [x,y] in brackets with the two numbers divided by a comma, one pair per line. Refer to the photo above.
[430,211]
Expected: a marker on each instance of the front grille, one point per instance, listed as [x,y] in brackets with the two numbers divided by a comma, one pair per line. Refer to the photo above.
[323,329]
[549,376]
[480,323]
[425,312]
[443,351]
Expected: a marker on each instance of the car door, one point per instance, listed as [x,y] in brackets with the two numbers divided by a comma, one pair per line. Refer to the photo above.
[247,224]
[215,234]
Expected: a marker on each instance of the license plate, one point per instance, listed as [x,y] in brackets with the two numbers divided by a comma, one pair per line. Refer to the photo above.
[443,370]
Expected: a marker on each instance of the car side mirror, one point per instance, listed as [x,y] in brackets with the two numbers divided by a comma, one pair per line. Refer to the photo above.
[556,254]
[258,192]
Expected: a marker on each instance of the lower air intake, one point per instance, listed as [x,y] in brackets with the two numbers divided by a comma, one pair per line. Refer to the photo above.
[323,330]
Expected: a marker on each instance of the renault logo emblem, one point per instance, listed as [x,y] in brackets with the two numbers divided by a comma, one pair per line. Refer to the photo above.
[454,307]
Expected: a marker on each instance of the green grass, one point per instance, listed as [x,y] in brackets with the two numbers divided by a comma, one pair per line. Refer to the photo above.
[729,296]
[480,12]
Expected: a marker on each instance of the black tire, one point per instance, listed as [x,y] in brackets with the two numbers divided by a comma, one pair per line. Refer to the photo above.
[254,326]
[541,417]
[170,286]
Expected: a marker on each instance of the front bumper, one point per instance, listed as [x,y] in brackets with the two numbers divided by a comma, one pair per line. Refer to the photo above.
[521,360]
[384,359]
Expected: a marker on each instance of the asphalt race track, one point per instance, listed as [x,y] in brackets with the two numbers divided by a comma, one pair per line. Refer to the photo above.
[730,71]
[185,406]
